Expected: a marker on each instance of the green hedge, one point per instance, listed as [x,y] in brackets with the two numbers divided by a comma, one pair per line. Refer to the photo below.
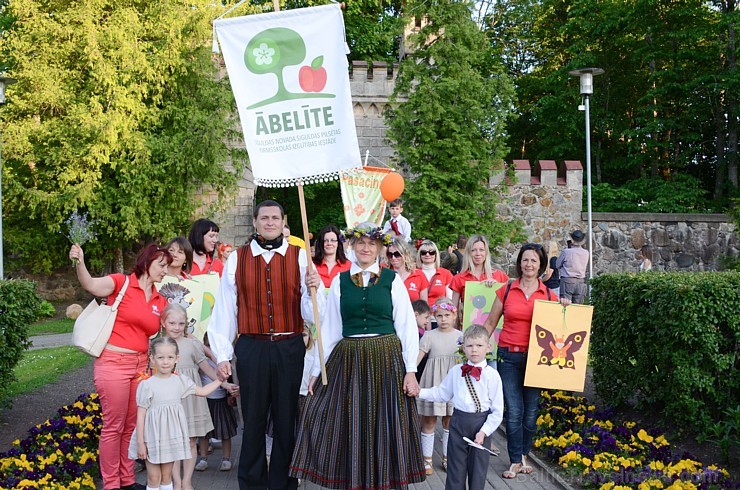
[668,342]
[19,306]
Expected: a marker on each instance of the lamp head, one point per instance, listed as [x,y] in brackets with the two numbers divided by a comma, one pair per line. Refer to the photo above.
[587,78]
[3,82]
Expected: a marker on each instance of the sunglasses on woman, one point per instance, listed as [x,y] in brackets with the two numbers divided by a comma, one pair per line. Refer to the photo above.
[395,254]
[428,252]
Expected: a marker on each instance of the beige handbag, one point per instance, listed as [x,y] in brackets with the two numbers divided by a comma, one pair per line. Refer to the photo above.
[94,325]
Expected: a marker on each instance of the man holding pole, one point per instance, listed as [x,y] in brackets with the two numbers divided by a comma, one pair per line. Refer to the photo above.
[260,299]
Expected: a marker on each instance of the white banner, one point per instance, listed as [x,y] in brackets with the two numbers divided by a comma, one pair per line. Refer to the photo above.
[361,195]
[290,78]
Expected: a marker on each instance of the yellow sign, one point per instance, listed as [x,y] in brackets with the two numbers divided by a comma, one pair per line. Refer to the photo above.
[558,346]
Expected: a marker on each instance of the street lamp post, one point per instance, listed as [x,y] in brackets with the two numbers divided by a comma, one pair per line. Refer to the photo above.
[587,89]
[3,82]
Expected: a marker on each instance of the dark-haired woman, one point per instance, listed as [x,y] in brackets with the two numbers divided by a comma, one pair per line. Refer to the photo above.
[329,257]
[204,239]
[515,302]
[116,371]
[182,258]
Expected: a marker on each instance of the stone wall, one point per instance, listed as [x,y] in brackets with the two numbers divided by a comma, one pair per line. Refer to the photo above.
[680,242]
[548,198]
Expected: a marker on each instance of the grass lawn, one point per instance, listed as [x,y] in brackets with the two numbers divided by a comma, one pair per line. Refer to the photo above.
[49,327]
[43,366]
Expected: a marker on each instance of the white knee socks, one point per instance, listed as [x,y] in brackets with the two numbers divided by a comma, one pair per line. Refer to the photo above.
[427,444]
[152,488]
[445,438]
[169,486]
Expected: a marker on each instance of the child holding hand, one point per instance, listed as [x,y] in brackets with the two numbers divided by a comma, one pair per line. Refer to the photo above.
[161,436]
[174,320]
[441,346]
[475,391]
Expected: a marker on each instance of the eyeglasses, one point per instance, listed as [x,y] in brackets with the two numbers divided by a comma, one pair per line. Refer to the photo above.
[395,254]
[427,252]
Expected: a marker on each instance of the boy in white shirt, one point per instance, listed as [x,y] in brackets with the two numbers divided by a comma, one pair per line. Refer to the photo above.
[475,391]
[398,224]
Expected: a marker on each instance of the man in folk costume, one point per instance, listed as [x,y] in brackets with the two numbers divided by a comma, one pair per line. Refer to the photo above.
[260,300]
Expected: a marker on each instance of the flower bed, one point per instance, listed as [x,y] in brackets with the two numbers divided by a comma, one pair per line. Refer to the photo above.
[61,453]
[602,452]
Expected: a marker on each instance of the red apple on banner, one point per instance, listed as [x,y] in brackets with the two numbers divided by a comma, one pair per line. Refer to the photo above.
[313,78]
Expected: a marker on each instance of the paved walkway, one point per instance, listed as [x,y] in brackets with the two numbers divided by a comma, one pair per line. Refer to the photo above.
[541,479]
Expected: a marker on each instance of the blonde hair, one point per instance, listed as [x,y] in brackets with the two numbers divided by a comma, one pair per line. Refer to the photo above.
[170,309]
[409,259]
[433,246]
[467,263]
[162,341]
[475,331]
[310,343]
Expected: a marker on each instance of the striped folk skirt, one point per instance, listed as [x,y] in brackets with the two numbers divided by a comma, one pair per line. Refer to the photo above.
[360,431]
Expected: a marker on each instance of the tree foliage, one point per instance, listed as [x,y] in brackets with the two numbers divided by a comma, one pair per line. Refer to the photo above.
[665,106]
[118,111]
[450,133]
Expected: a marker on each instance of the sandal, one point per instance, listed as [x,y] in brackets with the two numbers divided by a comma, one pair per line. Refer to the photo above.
[512,471]
[525,469]
[428,469]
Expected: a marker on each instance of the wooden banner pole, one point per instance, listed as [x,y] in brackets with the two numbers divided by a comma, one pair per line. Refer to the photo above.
[309,270]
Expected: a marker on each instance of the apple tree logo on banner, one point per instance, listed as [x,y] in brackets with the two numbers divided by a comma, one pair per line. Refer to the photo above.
[274,49]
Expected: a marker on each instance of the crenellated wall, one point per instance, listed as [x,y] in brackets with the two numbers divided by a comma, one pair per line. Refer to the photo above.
[548,199]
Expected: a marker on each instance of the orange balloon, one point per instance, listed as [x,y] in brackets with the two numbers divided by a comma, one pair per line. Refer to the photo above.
[391,187]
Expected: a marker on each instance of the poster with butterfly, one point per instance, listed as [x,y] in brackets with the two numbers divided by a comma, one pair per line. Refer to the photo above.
[558,346]
[477,304]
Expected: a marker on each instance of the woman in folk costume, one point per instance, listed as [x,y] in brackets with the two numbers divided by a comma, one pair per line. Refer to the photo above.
[361,430]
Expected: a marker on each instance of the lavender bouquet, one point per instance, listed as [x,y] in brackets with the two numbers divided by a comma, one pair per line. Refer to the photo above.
[80,231]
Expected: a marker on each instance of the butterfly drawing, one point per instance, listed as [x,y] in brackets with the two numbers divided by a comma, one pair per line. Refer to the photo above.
[558,351]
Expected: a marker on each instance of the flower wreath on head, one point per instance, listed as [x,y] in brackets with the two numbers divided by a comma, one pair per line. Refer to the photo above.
[444,306]
[374,233]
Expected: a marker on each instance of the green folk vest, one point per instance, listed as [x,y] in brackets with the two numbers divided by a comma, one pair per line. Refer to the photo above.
[367,310]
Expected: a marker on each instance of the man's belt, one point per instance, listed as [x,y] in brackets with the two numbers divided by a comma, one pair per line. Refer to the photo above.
[273,337]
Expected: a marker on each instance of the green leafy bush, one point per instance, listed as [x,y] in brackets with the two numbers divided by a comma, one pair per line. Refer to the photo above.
[682,194]
[46,309]
[19,306]
[668,342]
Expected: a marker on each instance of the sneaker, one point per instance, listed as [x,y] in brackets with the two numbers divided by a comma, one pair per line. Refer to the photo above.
[202,465]
[215,442]
[225,465]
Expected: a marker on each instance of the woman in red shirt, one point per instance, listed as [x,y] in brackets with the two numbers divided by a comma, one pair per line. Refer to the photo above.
[203,237]
[182,258]
[401,259]
[329,257]
[117,370]
[439,278]
[476,267]
[515,302]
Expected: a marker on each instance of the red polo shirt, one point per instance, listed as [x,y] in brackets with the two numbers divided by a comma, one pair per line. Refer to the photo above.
[438,284]
[518,313]
[415,284]
[328,275]
[458,282]
[212,265]
[137,319]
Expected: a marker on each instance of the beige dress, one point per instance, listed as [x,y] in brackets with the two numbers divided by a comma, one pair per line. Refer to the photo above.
[442,353]
[196,407]
[165,427]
